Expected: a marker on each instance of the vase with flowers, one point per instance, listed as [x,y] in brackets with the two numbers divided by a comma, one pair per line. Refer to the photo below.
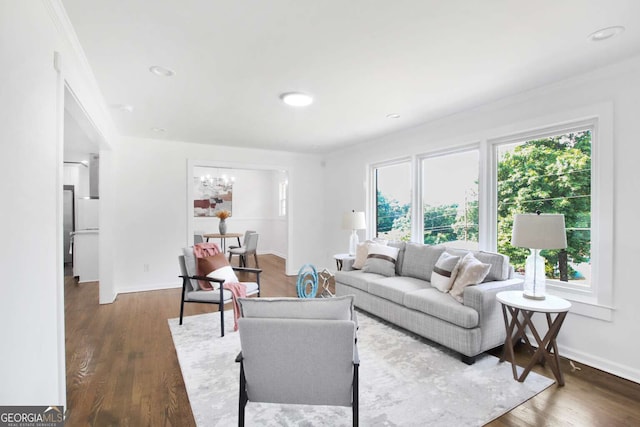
[222,216]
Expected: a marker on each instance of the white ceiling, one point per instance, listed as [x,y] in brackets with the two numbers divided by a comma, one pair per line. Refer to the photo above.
[361,59]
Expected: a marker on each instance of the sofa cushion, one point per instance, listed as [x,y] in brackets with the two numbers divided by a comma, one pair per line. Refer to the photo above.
[394,288]
[400,261]
[357,278]
[444,272]
[213,296]
[500,268]
[442,306]
[420,259]
[381,260]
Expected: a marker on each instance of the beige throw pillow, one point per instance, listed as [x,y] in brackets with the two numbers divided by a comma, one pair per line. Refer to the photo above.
[470,272]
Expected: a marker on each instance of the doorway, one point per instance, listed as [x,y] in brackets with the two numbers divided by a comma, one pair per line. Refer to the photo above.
[68,226]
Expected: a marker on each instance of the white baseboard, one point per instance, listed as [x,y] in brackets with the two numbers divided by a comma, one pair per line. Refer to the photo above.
[151,287]
[276,253]
[608,366]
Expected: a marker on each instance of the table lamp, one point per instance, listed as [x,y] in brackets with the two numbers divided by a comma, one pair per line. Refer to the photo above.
[353,221]
[537,231]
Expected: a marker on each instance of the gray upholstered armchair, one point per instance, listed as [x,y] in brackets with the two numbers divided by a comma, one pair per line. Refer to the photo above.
[281,338]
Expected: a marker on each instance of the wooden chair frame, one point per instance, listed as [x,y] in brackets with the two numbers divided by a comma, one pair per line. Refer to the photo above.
[221,302]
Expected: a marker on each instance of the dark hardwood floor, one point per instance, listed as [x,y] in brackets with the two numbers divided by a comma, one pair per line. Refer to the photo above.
[122,368]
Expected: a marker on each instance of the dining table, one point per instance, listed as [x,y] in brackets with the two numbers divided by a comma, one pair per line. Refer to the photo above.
[223,238]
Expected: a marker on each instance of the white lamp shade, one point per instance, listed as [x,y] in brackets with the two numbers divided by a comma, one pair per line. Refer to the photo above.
[539,231]
[354,221]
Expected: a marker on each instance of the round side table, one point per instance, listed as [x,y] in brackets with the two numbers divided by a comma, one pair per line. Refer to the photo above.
[521,310]
[340,258]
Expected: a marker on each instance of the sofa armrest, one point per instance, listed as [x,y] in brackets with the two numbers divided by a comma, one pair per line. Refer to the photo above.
[483,299]
[483,296]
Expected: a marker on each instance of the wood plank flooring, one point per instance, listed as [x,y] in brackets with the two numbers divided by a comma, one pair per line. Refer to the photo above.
[122,368]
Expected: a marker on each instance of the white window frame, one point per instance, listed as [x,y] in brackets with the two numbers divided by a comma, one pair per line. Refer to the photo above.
[597,300]
[419,229]
[371,209]
[283,189]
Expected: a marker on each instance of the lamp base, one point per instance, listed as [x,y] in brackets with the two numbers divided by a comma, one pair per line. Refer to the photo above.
[353,242]
[536,297]
[534,278]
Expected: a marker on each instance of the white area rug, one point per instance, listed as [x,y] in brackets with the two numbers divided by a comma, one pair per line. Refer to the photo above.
[404,381]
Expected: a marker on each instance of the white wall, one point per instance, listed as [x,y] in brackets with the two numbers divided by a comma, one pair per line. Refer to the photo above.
[32,366]
[28,132]
[151,213]
[610,346]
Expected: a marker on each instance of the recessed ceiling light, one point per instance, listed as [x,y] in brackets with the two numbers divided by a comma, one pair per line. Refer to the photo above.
[605,33]
[159,130]
[393,116]
[296,99]
[162,71]
[123,107]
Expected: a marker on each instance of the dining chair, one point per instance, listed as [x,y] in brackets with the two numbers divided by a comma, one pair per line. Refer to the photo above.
[250,248]
[244,242]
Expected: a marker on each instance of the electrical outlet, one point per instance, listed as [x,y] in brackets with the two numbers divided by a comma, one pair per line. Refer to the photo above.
[146,268]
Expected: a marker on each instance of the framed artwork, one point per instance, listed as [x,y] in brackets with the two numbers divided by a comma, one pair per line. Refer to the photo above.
[212,194]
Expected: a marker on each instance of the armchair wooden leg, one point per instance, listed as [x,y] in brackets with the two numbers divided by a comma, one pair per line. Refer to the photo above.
[184,290]
[242,397]
[221,309]
[181,310]
[354,400]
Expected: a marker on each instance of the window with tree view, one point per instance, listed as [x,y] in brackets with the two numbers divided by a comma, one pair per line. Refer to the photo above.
[551,175]
[450,199]
[393,201]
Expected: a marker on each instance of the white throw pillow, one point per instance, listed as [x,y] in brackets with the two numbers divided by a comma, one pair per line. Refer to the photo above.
[362,250]
[470,272]
[225,273]
[381,260]
[444,272]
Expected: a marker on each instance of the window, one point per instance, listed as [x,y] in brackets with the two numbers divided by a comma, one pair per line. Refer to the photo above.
[550,174]
[392,184]
[282,197]
[450,199]
[466,197]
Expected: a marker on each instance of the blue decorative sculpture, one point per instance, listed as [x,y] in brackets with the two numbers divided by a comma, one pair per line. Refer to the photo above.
[307,284]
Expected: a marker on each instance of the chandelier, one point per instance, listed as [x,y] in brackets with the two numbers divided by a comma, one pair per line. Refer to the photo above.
[221,183]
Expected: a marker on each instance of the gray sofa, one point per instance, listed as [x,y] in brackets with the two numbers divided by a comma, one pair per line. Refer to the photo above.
[408,300]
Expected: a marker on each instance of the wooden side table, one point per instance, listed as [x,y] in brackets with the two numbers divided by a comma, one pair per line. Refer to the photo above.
[521,310]
[340,258]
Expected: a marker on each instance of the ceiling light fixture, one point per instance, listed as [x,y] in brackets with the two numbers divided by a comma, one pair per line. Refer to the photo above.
[162,71]
[393,116]
[605,33]
[159,130]
[296,99]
